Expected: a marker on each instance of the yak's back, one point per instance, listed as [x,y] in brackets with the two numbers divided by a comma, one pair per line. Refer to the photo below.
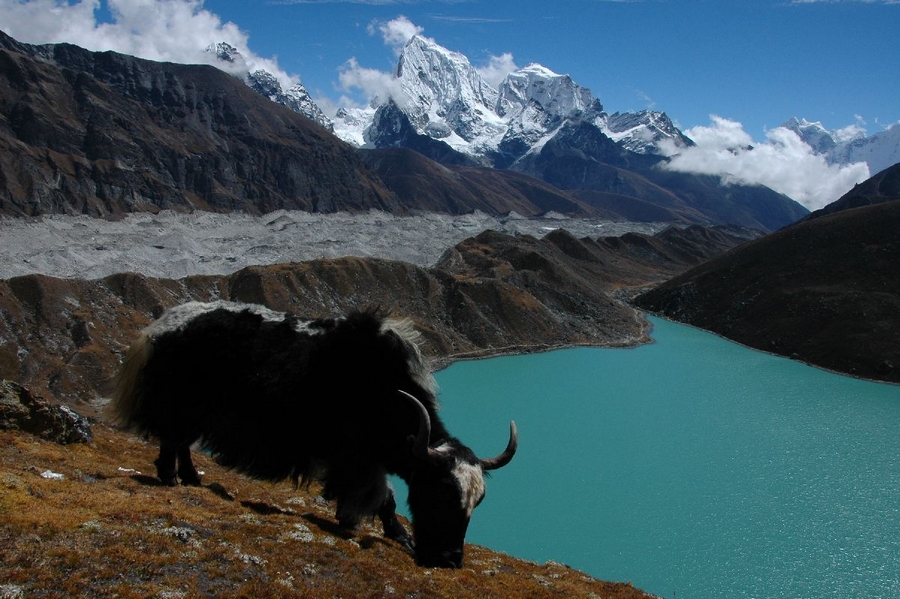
[267,392]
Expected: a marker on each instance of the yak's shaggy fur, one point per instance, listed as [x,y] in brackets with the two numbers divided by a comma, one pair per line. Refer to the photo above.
[340,400]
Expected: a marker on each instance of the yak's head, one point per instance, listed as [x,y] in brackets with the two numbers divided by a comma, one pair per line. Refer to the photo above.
[445,487]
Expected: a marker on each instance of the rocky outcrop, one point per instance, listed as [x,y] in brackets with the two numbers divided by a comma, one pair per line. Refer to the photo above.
[20,410]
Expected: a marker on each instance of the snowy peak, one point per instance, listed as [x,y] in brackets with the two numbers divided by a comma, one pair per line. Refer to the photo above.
[813,134]
[296,97]
[643,131]
[263,82]
[556,95]
[444,97]
[225,52]
[441,76]
[442,93]
[850,144]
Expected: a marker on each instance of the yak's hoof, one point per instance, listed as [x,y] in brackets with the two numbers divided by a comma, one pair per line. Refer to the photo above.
[397,533]
[190,479]
[168,481]
[407,543]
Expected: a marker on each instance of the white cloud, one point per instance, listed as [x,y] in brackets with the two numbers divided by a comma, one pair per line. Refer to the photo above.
[497,69]
[166,30]
[395,32]
[371,82]
[783,162]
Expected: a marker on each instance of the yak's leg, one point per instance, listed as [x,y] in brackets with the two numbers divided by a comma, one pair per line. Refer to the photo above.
[370,495]
[387,513]
[186,470]
[165,463]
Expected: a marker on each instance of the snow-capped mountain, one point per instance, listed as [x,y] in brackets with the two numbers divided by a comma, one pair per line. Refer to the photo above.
[444,98]
[879,150]
[263,82]
[642,131]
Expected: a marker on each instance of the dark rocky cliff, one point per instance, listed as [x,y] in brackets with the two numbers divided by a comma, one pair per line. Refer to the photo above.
[101,133]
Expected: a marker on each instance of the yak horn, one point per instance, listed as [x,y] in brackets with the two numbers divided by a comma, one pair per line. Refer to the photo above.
[503,459]
[420,444]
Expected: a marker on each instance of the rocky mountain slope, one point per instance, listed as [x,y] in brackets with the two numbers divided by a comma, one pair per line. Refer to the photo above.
[490,294]
[103,133]
[824,290]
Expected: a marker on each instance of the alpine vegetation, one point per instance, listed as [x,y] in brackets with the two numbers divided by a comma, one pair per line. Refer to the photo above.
[346,401]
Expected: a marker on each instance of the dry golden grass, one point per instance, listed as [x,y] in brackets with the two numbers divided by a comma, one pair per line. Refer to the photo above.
[107,530]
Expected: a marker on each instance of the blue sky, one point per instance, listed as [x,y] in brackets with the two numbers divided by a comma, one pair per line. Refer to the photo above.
[727,70]
[756,62]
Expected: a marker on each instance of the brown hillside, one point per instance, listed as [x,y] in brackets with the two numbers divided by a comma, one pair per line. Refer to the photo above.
[491,294]
[104,529]
[423,184]
[826,291]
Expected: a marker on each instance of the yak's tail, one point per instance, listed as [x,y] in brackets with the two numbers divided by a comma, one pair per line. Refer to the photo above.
[128,395]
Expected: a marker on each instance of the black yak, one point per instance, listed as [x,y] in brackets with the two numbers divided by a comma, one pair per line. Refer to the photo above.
[346,401]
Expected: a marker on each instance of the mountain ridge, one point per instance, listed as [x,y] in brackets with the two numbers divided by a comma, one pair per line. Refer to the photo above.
[824,290]
[879,151]
[544,124]
[102,133]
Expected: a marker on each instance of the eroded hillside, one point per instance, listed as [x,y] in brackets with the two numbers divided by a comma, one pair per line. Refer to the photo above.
[491,294]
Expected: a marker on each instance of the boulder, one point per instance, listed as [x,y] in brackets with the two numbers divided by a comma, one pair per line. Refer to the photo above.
[20,410]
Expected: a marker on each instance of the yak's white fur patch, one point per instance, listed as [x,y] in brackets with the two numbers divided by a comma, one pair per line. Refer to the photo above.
[174,319]
[469,477]
[471,481]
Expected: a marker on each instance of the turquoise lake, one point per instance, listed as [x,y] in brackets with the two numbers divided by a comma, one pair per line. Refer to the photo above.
[692,467]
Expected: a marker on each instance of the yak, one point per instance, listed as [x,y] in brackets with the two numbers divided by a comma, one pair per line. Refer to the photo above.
[345,401]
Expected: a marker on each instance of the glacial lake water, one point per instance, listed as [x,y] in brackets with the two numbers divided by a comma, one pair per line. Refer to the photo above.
[692,467]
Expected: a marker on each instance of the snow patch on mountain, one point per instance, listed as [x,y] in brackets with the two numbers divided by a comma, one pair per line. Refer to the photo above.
[643,131]
[850,144]
[265,83]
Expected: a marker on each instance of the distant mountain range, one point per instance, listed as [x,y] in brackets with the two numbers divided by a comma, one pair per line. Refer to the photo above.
[879,150]
[102,133]
[445,98]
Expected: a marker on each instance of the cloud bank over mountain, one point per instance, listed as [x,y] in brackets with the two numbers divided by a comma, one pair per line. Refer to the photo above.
[782,162]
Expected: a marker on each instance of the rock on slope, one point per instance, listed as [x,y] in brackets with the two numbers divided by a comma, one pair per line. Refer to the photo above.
[825,290]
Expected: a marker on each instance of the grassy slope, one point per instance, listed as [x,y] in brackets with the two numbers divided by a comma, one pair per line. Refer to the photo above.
[107,532]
